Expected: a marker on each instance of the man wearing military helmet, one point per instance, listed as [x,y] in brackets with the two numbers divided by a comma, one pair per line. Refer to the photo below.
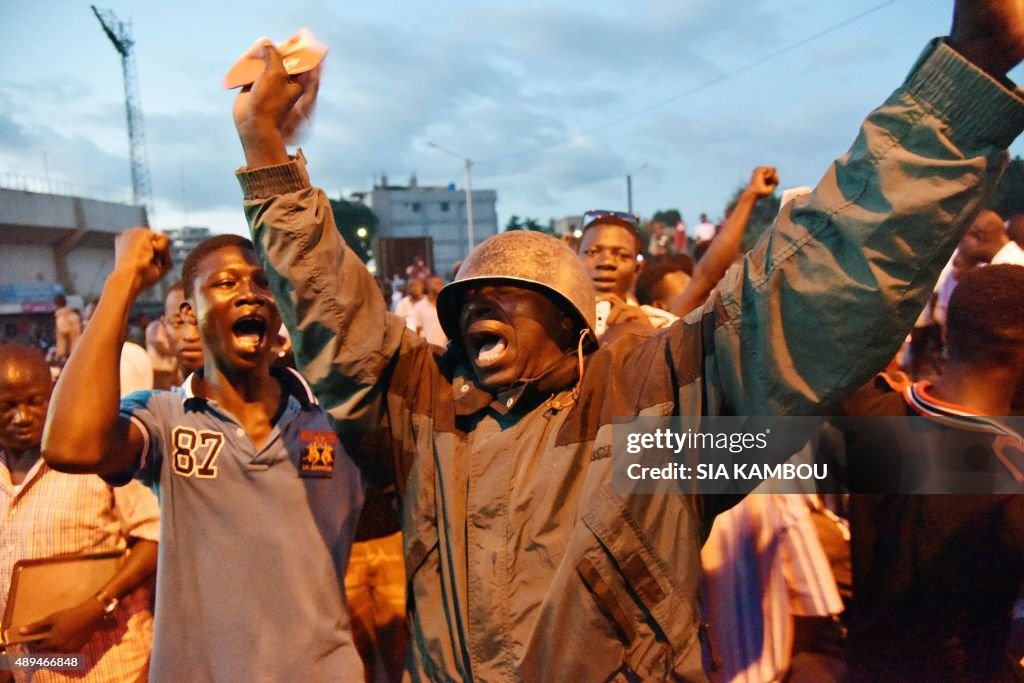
[523,563]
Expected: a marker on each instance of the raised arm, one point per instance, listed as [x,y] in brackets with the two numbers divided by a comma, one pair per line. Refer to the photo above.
[343,336]
[826,297]
[84,432]
[722,251]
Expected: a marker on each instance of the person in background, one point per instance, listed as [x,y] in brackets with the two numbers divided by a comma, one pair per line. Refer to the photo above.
[415,290]
[161,358]
[704,231]
[987,242]
[658,244]
[136,369]
[935,576]
[660,282]
[69,327]
[764,566]
[182,334]
[47,513]
[424,313]
[679,236]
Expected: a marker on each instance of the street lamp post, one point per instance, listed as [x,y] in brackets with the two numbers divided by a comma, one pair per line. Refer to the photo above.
[629,186]
[469,189]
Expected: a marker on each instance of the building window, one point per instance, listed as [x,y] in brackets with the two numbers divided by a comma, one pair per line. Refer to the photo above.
[444,206]
[416,206]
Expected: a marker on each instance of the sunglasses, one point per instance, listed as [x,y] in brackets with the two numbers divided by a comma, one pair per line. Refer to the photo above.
[594,216]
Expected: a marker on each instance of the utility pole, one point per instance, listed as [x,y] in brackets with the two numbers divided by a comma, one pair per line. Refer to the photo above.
[469,190]
[629,186]
[120,35]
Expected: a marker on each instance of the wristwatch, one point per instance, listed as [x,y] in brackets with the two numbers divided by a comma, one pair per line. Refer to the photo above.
[109,604]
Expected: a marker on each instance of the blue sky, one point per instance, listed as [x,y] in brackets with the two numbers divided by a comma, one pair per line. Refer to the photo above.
[555,101]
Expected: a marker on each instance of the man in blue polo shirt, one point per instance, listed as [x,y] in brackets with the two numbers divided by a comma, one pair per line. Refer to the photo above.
[259,501]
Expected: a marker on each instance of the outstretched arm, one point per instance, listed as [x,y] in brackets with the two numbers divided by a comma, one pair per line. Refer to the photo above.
[84,432]
[724,248]
[826,297]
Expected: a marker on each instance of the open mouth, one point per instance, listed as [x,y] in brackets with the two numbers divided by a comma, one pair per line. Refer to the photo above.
[250,331]
[488,345]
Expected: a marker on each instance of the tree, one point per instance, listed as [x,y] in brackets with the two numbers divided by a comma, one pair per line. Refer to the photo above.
[761,218]
[1008,198]
[350,217]
[528,224]
[667,216]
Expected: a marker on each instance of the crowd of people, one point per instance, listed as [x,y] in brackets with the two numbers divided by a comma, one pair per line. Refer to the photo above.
[341,485]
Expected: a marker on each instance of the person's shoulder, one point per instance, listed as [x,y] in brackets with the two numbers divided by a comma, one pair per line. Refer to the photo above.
[150,400]
[882,395]
[1009,254]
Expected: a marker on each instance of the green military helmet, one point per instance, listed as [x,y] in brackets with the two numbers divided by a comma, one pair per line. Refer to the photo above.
[523,258]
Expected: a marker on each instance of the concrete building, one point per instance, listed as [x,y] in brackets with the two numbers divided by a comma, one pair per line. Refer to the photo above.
[436,211]
[51,243]
[183,240]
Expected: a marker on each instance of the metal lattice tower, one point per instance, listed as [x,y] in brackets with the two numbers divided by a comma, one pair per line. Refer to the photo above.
[120,34]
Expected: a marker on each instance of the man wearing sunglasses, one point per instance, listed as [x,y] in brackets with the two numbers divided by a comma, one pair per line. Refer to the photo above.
[610,250]
[523,563]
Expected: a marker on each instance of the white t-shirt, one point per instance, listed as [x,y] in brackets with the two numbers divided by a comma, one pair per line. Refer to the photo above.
[404,309]
[704,232]
[1011,254]
[136,369]
[424,313]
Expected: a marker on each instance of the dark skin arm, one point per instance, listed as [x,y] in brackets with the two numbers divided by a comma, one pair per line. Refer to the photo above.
[989,33]
[723,249]
[70,629]
[99,440]
[268,113]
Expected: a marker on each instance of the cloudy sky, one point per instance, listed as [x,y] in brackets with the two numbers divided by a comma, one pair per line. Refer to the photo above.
[556,101]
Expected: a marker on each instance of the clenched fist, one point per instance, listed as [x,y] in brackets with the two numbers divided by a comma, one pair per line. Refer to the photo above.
[144,254]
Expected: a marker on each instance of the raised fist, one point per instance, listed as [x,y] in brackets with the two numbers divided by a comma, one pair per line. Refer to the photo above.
[763,181]
[143,253]
[990,33]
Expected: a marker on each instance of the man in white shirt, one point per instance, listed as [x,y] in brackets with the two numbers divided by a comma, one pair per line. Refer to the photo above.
[987,242]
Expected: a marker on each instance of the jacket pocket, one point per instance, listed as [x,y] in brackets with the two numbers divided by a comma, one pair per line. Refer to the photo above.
[631,588]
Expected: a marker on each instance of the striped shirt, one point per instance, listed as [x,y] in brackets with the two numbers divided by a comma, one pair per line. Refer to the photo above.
[763,565]
[52,514]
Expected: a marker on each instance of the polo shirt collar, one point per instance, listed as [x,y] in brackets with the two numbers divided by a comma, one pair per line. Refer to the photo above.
[291,381]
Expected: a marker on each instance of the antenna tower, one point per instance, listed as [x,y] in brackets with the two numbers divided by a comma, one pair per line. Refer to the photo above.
[120,34]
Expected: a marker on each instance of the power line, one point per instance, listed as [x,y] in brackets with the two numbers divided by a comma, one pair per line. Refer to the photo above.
[697,88]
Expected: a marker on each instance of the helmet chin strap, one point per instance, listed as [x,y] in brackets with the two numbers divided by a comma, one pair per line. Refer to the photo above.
[568,400]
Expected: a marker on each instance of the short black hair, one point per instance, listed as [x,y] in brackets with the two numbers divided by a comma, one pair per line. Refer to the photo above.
[60,301]
[611,222]
[646,287]
[190,268]
[985,319]
[178,286]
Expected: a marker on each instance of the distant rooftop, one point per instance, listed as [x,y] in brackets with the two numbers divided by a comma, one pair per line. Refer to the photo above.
[25,183]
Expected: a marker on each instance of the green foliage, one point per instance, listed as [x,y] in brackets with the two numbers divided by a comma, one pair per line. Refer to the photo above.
[1008,198]
[668,216]
[761,218]
[349,217]
[529,224]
